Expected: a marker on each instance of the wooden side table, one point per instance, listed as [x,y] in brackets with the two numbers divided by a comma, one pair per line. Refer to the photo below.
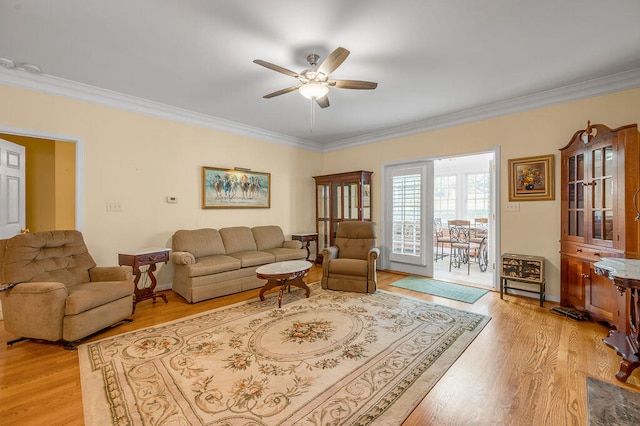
[307,238]
[625,274]
[144,257]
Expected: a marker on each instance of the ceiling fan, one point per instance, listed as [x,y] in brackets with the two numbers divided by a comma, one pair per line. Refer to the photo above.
[314,81]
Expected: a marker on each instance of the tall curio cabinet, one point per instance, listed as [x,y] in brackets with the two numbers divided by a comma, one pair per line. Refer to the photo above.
[600,174]
[340,197]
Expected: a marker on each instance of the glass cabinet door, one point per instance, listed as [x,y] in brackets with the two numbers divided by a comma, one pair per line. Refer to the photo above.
[366,201]
[575,210]
[601,187]
[350,201]
[322,194]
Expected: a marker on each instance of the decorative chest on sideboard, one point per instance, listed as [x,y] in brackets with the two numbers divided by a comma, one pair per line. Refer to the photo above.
[522,269]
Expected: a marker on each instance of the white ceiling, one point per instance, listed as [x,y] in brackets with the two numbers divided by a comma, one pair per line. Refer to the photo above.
[437,62]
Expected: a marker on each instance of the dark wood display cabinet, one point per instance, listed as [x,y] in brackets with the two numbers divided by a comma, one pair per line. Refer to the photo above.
[340,197]
[599,175]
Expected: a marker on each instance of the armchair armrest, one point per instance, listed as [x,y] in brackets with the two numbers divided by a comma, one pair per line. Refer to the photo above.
[328,253]
[373,254]
[111,273]
[294,244]
[183,258]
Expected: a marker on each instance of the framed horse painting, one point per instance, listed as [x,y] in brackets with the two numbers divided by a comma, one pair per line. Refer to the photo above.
[235,188]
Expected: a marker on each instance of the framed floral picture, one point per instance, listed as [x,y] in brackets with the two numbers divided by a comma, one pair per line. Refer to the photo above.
[531,178]
[235,188]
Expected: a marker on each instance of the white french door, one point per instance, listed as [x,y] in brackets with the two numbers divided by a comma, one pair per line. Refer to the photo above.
[408,217]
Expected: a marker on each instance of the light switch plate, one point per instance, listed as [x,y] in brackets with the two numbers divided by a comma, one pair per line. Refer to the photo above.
[512,207]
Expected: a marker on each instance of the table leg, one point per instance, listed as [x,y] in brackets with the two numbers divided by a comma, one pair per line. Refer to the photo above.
[268,286]
[284,283]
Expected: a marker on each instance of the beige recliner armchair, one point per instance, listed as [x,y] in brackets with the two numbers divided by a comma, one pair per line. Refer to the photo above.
[54,291]
[350,265]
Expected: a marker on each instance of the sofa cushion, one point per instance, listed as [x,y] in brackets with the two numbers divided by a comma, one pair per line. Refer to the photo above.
[283,254]
[238,239]
[267,237]
[348,267]
[86,296]
[213,265]
[254,258]
[199,242]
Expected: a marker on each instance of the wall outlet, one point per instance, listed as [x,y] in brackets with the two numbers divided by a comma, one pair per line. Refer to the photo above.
[171,199]
[114,206]
[512,207]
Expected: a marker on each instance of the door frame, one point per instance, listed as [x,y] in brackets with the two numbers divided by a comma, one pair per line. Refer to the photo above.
[494,215]
[79,145]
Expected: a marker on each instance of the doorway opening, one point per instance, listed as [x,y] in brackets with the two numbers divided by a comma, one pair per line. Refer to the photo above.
[422,198]
[54,182]
[463,218]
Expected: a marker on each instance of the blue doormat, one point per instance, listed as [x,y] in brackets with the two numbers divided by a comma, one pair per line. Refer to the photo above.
[452,291]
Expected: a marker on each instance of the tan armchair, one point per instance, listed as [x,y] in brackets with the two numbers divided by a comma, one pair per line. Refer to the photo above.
[54,291]
[350,265]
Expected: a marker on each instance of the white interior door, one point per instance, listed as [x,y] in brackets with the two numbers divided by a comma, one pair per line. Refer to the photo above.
[12,189]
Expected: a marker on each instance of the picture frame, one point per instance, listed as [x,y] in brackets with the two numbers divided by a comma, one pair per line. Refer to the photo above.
[532,178]
[235,188]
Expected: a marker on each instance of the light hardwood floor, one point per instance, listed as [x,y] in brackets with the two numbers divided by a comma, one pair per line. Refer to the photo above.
[527,367]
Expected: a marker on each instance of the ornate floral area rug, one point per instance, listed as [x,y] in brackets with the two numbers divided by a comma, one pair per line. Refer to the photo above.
[335,358]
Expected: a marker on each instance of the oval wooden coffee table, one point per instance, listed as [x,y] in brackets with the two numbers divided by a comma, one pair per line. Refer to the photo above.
[284,274]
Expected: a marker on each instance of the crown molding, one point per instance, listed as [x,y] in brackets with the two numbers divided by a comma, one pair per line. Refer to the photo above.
[83,92]
[57,86]
[600,86]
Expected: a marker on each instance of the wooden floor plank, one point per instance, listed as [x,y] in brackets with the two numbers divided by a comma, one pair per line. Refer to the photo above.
[527,367]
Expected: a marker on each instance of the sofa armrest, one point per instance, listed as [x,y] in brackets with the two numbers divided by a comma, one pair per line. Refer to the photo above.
[293,244]
[111,273]
[182,258]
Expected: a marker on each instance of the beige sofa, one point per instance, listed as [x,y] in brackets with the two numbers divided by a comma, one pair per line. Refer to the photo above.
[211,263]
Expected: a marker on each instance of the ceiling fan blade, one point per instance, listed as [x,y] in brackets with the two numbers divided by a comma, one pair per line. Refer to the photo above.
[323,101]
[276,68]
[353,84]
[281,92]
[333,61]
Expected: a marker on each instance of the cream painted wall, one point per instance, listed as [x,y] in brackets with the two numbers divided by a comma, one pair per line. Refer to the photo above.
[140,160]
[535,228]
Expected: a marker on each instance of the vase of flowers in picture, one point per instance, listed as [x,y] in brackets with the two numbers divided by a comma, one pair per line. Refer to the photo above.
[529,178]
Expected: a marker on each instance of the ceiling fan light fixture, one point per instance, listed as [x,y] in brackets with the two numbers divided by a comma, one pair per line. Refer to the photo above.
[313,90]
